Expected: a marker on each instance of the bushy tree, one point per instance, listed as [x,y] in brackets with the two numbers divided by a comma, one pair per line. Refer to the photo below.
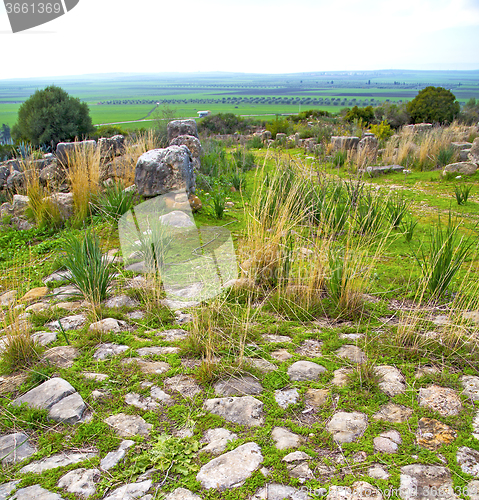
[395,115]
[433,105]
[365,114]
[51,116]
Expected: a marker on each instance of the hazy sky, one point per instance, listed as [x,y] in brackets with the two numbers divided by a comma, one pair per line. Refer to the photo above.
[261,36]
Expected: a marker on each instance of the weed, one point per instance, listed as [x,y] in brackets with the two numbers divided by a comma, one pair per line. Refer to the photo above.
[397,207]
[238,180]
[217,202]
[364,377]
[408,226]
[339,158]
[445,156]
[462,192]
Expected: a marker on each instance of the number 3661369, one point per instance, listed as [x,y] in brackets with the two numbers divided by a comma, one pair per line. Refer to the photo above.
[32,8]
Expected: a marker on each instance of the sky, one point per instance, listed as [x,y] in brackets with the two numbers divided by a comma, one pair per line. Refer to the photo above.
[251,36]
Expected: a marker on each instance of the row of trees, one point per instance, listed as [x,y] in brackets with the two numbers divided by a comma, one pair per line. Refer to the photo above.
[51,116]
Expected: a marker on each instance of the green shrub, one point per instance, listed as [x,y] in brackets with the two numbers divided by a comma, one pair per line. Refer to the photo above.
[278,125]
[462,192]
[243,159]
[108,131]
[382,131]
[217,201]
[445,156]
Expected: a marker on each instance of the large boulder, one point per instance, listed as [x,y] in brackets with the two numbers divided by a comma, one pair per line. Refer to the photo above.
[193,144]
[181,127]
[474,152]
[64,203]
[111,146]
[461,168]
[4,173]
[53,175]
[66,149]
[344,142]
[16,181]
[160,171]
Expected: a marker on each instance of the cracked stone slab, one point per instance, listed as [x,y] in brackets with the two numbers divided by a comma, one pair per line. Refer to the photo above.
[305,370]
[128,425]
[391,380]
[351,353]
[148,367]
[15,448]
[47,394]
[441,399]
[244,410]
[424,482]
[80,482]
[468,460]
[394,413]
[286,397]
[109,325]
[238,386]
[108,350]
[130,491]
[284,438]
[161,396]
[231,469]
[347,427]
[218,440]
[55,461]
[471,387]
[112,458]
[316,397]
[387,442]
[121,301]
[296,456]
[35,492]
[44,338]
[300,471]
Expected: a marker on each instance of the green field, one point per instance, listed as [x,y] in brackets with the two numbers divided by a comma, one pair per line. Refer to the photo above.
[130,97]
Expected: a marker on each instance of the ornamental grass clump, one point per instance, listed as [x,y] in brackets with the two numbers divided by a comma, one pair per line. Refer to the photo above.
[91,271]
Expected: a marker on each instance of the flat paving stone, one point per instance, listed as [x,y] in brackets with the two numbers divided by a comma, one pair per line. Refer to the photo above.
[286,397]
[275,491]
[387,442]
[473,490]
[231,469]
[347,427]
[441,399]
[238,386]
[285,439]
[424,482]
[263,365]
[98,377]
[80,482]
[475,426]
[141,402]
[218,440]
[341,377]
[129,425]
[281,355]
[358,490]
[471,387]
[183,384]
[148,367]
[275,339]
[74,322]
[305,370]
[394,413]
[15,448]
[157,350]
[61,356]
[113,458]
[130,491]
[468,460]
[109,325]
[44,338]
[296,456]
[351,353]
[173,335]
[35,492]
[55,461]
[244,410]
[121,301]
[431,434]
[182,494]
[108,350]
[7,488]
[316,397]
[391,380]
[310,348]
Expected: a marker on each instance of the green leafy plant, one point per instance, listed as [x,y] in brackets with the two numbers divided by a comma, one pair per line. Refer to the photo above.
[238,180]
[91,272]
[462,191]
[382,130]
[397,207]
[339,158]
[448,251]
[408,226]
[445,156]
[114,201]
[154,245]
[217,201]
